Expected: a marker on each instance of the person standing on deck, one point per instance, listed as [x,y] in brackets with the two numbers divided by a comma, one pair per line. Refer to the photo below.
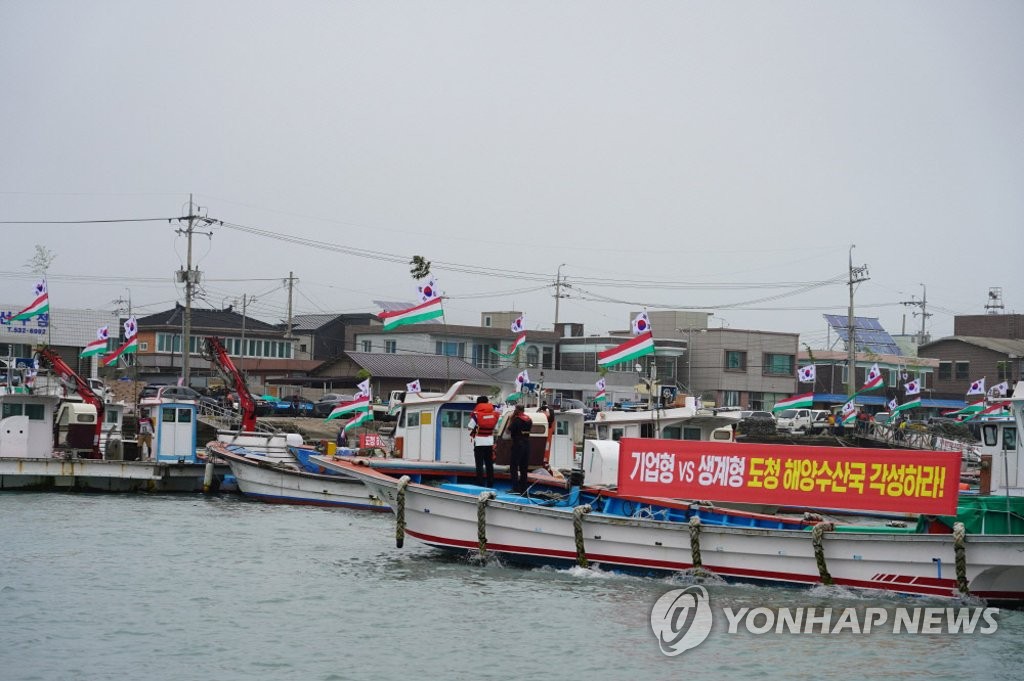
[520,462]
[145,437]
[481,431]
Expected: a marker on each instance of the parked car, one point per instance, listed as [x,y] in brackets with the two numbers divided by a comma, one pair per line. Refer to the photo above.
[756,416]
[263,406]
[176,392]
[326,404]
[294,405]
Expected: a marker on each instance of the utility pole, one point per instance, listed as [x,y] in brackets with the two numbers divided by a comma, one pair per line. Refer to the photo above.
[925,314]
[558,292]
[291,285]
[190,277]
[857,275]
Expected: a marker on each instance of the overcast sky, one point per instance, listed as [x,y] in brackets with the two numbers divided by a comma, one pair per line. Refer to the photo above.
[732,151]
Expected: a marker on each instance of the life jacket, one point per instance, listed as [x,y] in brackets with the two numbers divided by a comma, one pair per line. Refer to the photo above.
[486,419]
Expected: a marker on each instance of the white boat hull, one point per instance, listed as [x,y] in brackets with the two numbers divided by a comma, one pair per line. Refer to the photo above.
[918,564]
[284,484]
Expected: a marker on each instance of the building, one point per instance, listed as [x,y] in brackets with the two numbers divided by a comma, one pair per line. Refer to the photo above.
[832,371]
[742,368]
[65,330]
[392,371]
[477,345]
[322,336]
[259,349]
[964,359]
[988,346]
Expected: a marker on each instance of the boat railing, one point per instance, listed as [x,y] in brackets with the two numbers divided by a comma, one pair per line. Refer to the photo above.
[225,418]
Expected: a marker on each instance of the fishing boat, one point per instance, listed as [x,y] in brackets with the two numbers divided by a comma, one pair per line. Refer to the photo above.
[958,545]
[284,483]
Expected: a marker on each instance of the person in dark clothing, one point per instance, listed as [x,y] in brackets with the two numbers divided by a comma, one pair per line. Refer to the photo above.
[481,430]
[520,461]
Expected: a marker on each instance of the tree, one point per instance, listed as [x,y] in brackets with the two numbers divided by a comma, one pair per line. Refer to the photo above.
[420,267]
[40,262]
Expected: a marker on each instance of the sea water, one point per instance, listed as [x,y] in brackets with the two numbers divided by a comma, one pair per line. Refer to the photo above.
[171,587]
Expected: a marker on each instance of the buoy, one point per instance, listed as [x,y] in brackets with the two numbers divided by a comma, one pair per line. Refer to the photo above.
[207,477]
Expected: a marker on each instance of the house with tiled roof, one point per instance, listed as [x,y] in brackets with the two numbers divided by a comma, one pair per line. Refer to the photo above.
[322,336]
[261,350]
[436,373]
[965,359]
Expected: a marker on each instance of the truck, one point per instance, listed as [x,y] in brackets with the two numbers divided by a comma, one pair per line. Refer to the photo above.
[802,421]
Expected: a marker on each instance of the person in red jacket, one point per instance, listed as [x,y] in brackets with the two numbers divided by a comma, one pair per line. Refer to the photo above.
[481,430]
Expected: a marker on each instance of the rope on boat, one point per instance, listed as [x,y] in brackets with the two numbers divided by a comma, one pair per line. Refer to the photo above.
[817,534]
[481,520]
[577,528]
[695,542]
[403,482]
[960,552]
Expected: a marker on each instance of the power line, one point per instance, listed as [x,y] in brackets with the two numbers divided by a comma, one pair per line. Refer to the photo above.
[84,222]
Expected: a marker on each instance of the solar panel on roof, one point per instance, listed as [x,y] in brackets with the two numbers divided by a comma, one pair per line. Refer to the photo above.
[868,333]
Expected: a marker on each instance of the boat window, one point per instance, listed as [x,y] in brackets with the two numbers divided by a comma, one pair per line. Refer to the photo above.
[691,433]
[1009,438]
[169,415]
[12,409]
[647,430]
[414,419]
[451,419]
[561,427]
[672,433]
[34,412]
[602,433]
[617,433]
[990,435]
[184,416]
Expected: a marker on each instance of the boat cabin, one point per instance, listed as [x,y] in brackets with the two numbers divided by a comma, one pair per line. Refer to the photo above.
[1000,438]
[75,431]
[435,427]
[681,423]
[26,425]
[174,428]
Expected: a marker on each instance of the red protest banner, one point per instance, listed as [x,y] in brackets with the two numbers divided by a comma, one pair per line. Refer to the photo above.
[906,481]
[370,441]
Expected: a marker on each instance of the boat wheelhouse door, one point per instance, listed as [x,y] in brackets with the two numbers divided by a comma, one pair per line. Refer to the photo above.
[454,444]
[417,429]
[175,432]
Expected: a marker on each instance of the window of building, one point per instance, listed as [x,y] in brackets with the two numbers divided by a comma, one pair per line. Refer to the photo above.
[735,360]
[1003,371]
[450,348]
[778,365]
[367,346]
[483,357]
[391,346]
[945,371]
[963,370]
[143,346]
[731,398]
[302,347]
[533,356]
[487,320]
[548,361]
[757,401]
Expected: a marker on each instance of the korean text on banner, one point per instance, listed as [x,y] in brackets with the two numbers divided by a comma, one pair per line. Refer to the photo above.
[823,477]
